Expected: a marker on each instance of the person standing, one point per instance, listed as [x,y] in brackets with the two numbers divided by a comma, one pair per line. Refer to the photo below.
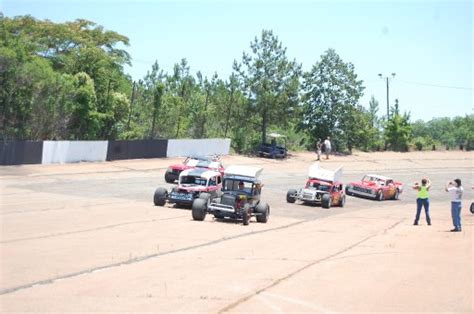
[423,200]
[456,190]
[327,147]
[318,149]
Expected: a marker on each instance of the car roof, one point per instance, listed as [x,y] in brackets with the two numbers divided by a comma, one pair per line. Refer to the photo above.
[199,172]
[276,135]
[199,157]
[378,177]
[316,172]
[209,164]
[243,172]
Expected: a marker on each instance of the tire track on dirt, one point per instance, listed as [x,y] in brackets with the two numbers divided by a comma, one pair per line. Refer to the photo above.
[301,269]
[59,234]
[147,257]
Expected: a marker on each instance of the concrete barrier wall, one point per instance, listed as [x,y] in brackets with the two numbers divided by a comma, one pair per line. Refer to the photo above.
[137,149]
[186,147]
[50,152]
[20,152]
[73,151]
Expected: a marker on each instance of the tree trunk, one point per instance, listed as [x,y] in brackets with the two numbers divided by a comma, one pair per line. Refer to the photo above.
[231,101]
[132,100]
[264,124]
[203,122]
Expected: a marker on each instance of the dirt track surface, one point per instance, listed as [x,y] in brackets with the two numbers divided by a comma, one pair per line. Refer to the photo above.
[87,238]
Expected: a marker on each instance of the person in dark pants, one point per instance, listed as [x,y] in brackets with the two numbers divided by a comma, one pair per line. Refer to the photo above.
[423,200]
[456,190]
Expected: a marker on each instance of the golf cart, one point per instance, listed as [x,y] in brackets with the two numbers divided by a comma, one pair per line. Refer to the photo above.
[275,147]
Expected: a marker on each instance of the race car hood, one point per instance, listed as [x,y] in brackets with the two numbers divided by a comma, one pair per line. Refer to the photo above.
[365,184]
[312,191]
[192,188]
[179,167]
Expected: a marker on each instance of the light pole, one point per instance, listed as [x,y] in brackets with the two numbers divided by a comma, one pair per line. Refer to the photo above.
[387,79]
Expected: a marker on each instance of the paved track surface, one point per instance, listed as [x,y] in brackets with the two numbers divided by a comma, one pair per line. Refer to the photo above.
[87,238]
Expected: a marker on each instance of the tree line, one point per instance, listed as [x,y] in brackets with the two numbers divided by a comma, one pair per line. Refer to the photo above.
[66,81]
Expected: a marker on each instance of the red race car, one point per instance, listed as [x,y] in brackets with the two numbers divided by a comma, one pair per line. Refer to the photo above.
[323,187]
[376,187]
[213,163]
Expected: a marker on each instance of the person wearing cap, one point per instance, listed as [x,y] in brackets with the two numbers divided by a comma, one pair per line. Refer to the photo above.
[456,190]
[423,200]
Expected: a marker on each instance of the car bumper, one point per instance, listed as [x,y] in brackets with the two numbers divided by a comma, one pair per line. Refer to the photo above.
[361,193]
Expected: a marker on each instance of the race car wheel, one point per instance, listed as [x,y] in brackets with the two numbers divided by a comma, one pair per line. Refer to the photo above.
[206,197]
[379,196]
[245,215]
[160,196]
[397,195]
[472,208]
[263,211]
[343,201]
[326,201]
[219,216]
[290,196]
[169,178]
[347,191]
[199,209]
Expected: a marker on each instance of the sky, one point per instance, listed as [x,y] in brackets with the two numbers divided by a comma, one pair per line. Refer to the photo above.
[428,44]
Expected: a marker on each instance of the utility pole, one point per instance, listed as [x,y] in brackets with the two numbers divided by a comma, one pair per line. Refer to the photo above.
[387,79]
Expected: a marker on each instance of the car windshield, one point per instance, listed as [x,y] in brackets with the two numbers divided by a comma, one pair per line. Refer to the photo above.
[318,186]
[193,180]
[236,185]
[203,164]
[373,179]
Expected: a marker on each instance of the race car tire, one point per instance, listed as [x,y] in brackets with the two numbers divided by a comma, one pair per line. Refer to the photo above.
[326,201]
[263,211]
[169,178]
[343,201]
[472,208]
[397,195]
[205,196]
[219,216]
[245,215]
[379,196]
[160,196]
[199,209]
[290,196]
[347,191]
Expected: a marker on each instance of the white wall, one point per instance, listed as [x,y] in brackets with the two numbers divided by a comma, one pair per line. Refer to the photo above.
[186,147]
[73,151]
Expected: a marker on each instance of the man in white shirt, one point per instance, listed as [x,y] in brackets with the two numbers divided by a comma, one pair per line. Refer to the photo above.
[327,147]
[455,189]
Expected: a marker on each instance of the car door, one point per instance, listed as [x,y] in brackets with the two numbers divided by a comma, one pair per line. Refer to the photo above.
[391,189]
[335,194]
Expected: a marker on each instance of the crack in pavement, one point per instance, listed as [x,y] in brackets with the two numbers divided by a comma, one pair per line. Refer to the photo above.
[146,257]
[88,230]
[299,270]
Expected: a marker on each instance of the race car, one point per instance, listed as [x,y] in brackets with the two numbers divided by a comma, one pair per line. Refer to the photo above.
[376,187]
[209,162]
[192,184]
[322,187]
[240,199]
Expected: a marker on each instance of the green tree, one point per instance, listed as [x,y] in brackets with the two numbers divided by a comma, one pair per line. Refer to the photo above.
[331,92]
[157,101]
[181,86]
[38,60]
[85,120]
[270,81]
[398,129]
